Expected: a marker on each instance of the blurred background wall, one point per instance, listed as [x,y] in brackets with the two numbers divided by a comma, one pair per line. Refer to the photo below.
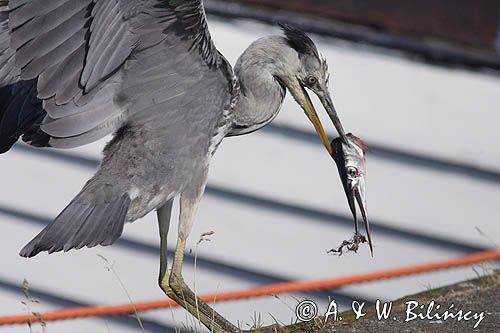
[463,31]
[469,23]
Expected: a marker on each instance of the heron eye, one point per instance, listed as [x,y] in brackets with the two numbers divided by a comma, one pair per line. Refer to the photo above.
[352,171]
[312,80]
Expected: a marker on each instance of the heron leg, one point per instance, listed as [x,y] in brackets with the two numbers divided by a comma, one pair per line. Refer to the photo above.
[164,214]
[192,303]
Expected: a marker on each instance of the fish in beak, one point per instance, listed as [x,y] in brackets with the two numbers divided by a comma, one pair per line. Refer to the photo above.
[350,160]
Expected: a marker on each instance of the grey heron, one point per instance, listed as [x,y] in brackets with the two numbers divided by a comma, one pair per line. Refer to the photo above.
[74,71]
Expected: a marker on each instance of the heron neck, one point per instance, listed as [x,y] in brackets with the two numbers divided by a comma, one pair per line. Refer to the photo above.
[261,90]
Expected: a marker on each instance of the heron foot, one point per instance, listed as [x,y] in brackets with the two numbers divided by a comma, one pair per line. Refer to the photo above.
[198,308]
[180,292]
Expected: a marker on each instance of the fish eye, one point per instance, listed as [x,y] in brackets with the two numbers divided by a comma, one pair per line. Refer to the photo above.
[312,80]
[352,171]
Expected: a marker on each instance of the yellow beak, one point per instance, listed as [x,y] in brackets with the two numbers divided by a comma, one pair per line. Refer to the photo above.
[313,117]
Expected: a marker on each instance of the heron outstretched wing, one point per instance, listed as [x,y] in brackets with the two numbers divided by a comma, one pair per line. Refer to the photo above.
[99,64]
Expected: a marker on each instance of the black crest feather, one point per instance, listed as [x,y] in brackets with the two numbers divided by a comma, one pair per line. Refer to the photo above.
[298,40]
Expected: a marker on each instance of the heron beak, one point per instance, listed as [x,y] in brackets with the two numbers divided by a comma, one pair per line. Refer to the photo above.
[313,117]
[326,100]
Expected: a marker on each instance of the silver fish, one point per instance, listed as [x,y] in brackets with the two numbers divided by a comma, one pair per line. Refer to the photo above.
[351,164]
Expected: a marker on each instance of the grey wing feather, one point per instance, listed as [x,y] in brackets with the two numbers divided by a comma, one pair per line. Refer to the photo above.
[8,72]
[54,41]
[160,77]
[86,221]
[81,49]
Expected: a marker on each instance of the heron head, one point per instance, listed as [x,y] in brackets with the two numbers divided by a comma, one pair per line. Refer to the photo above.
[350,160]
[311,73]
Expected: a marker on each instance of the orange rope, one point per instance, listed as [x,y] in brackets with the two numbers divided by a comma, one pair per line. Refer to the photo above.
[267,290]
